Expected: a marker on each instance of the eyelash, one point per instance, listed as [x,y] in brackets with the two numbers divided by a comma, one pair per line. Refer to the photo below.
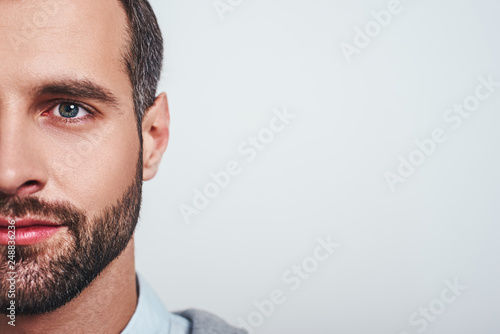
[56,103]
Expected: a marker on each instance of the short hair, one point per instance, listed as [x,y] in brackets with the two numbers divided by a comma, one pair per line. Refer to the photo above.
[144,56]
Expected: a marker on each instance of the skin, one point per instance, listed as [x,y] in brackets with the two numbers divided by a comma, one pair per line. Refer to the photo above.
[88,163]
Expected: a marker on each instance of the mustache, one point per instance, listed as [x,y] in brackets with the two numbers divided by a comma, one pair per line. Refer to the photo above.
[61,212]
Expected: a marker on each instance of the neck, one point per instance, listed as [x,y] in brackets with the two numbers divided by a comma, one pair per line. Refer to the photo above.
[105,306]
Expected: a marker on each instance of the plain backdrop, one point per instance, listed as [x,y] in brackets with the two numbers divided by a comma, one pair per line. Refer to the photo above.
[325,173]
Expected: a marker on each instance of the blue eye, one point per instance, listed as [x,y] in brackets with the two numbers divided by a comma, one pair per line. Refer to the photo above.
[70,110]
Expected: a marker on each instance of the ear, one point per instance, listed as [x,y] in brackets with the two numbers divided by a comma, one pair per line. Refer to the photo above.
[155,134]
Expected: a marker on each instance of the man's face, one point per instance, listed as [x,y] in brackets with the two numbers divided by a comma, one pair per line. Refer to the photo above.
[69,148]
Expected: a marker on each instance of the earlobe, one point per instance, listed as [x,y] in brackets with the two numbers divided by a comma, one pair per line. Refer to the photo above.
[155,134]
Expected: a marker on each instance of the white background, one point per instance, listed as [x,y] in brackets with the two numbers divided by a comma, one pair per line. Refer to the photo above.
[324,174]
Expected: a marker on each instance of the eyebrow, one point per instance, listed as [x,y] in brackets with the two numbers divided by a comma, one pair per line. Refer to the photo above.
[84,89]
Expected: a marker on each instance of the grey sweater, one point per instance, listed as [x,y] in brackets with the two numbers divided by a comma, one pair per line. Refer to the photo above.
[207,323]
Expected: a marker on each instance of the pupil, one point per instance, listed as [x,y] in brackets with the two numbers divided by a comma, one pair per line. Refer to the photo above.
[68,110]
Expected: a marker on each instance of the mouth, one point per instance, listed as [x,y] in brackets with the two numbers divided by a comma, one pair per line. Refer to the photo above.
[27,231]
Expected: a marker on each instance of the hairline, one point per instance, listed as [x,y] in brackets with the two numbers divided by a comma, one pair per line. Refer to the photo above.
[127,63]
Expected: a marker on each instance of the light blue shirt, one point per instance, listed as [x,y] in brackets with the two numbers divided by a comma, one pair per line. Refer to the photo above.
[151,317]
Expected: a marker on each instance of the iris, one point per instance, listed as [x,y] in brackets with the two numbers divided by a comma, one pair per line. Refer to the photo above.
[68,110]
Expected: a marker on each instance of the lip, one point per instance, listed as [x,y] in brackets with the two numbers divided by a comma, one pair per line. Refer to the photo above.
[28,231]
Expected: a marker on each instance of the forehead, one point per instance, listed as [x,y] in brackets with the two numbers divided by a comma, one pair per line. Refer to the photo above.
[44,39]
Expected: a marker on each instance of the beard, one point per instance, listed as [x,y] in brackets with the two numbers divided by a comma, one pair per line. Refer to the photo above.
[51,274]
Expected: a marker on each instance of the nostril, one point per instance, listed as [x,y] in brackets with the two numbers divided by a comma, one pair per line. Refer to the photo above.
[30,183]
[28,187]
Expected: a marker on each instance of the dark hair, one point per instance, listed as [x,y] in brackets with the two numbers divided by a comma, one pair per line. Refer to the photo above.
[144,56]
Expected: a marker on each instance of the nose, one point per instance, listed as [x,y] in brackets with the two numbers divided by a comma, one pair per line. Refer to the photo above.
[21,167]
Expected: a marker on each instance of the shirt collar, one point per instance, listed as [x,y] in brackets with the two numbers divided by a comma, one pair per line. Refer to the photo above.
[151,316]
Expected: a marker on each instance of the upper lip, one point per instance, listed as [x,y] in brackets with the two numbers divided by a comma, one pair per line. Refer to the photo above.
[25,222]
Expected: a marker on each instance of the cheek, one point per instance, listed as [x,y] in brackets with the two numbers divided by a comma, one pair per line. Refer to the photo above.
[95,168]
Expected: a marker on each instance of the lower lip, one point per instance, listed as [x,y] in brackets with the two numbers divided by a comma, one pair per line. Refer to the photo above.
[29,235]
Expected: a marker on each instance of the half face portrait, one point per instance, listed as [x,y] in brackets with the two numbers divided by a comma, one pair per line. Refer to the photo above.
[71,144]
[81,128]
